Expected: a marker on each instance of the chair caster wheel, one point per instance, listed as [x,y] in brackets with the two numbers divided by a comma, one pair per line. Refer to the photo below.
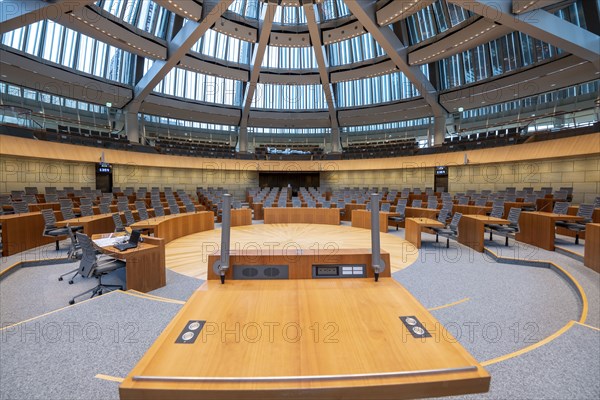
[60,279]
[100,293]
[70,282]
[71,302]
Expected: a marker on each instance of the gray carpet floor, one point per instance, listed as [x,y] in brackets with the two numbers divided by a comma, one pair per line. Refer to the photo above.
[509,306]
[565,368]
[57,356]
[34,290]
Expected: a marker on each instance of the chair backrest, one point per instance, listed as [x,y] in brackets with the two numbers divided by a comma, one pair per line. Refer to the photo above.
[173,208]
[67,212]
[385,207]
[129,220]
[443,216]
[122,206]
[86,210]
[455,220]
[463,201]
[88,255]
[159,211]
[49,218]
[65,202]
[85,201]
[513,215]
[432,203]
[143,214]
[530,198]
[560,207]
[140,204]
[417,203]
[20,207]
[597,202]
[29,198]
[497,212]
[51,198]
[189,207]
[118,222]
[586,211]
[104,208]
[401,207]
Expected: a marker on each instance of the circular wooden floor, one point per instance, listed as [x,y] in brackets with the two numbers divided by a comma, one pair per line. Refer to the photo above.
[189,255]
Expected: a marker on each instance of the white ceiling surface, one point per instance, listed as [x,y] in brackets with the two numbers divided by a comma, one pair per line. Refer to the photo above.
[563,72]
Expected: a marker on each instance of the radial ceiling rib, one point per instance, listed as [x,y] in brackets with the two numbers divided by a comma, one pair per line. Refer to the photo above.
[315,38]
[176,49]
[184,8]
[541,25]
[257,59]
[18,13]
[521,6]
[364,10]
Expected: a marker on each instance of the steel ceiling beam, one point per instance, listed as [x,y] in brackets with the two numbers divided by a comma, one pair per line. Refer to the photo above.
[177,48]
[541,25]
[18,13]
[315,37]
[364,11]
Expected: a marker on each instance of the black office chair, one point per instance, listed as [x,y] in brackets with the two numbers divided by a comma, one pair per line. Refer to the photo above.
[507,230]
[51,230]
[401,210]
[119,227]
[159,211]
[86,210]
[129,220]
[450,231]
[91,266]
[560,207]
[74,253]
[20,207]
[586,211]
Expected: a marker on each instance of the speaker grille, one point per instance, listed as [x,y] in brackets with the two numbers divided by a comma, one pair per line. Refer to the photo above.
[247,272]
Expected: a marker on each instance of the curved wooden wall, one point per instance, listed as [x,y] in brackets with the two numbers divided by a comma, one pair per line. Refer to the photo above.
[577,146]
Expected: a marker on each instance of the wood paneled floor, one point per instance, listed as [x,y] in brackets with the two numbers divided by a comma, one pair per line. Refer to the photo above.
[189,255]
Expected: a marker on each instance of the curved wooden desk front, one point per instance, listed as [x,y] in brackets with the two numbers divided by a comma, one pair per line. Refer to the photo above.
[171,227]
[22,232]
[303,215]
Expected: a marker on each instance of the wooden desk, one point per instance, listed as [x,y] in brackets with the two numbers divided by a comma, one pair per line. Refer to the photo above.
[414,227]
[518,204]
[417,212]
[171,227]
[304,339]
[22,232]
[258,211]
[241,216]
[362,219]
[299,262]
[471,230]
[92,225]
[44,206]
[349,207]
[471,210]
[145,265]
[591,255]
[327,216]
[537,228]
